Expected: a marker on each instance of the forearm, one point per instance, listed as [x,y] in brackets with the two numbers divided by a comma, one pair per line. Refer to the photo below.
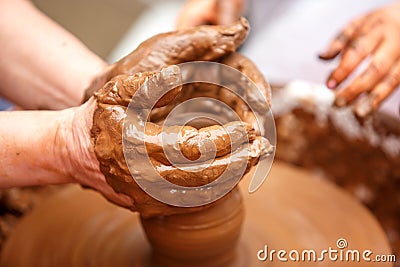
[34,148]
[52,147]
[42,66]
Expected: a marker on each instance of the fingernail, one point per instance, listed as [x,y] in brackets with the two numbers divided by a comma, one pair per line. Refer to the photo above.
[340,101]
[327,55]
[363,107]
[324,55]
[331,84]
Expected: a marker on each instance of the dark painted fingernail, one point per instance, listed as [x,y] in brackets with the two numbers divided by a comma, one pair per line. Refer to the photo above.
[331,84]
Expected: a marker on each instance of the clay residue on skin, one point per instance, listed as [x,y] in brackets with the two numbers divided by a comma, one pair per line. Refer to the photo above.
[258,98]
[208,172]
[190,141]
[107,128]
[205,43]
[248,68]
[201,43]
[121,89]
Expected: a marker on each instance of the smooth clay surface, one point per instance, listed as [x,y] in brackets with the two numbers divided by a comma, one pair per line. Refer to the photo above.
[292,210]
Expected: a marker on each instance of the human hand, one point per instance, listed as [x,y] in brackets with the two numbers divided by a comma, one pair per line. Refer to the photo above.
[202,43]
[107,108]
[111,104]
[81,160]
[375,35]
[209,12]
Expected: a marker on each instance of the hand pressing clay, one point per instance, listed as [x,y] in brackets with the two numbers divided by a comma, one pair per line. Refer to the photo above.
[201,43]
[110,106]
[257,98]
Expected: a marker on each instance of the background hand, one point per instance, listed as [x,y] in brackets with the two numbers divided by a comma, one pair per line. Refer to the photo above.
[375,35]
[209,12]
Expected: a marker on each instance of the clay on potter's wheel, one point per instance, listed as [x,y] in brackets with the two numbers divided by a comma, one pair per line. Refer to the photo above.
[292,210]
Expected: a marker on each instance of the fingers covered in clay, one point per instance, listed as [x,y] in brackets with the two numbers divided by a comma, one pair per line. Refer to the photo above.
[257,95]
[147,88]
[235,164]
[372,38]
[200,43]
[187,155]
[233,144]
[248,68]
[195,144]
[369,103]
[106,131]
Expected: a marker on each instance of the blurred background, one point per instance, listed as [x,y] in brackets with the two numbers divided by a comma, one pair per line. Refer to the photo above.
[100,24]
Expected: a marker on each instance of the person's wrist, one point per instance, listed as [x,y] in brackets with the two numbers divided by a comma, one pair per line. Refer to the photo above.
[79,157]
[73,143]
[60,148]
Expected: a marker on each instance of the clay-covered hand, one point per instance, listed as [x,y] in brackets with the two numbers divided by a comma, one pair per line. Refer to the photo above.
[110,106]
[201,43]
[209,12]
[375,35]
[102,117]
